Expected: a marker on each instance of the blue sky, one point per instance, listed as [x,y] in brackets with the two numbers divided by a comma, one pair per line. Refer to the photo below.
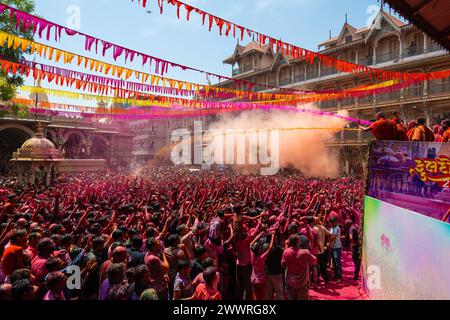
[305,23]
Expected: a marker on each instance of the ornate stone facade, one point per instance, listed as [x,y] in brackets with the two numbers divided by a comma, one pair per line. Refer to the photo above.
[37,160]
[74,138]
[389,44]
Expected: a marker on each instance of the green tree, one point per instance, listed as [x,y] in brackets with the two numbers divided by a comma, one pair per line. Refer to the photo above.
[8,82]
[15,110]
[24,112]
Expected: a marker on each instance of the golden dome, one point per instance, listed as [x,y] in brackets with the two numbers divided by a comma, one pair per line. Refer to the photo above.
[37,148]
[38,142]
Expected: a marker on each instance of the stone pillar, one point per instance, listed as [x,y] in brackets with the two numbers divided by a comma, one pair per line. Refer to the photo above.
[60,141]
[278,76]
[47,177]
[88,144]
[427,113]
[112,150]
[347,167]
[346,163]
[425,43]
[374,53]
[425,83]
[404,114]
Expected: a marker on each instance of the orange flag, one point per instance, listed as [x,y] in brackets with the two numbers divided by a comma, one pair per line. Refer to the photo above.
[107,68]
[58,55]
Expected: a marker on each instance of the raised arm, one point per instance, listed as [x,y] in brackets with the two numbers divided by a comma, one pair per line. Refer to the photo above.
[164,231]
[312,203]
[272,241]
[256,239]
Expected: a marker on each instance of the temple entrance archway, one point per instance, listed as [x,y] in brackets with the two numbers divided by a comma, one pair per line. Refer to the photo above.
[74,147]
[12,138]
[100,147]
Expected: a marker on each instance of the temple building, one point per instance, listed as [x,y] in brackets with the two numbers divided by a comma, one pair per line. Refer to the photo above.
[37,160]
[388,44]
[152,137]
[75,137]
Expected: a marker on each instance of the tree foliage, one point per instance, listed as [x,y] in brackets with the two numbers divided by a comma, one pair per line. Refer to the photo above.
[8,82]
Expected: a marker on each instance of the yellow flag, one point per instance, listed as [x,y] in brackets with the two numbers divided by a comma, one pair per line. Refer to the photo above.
[10,42]
[58,55]
[25,44]
[16,43]
[3,38]
[50,53]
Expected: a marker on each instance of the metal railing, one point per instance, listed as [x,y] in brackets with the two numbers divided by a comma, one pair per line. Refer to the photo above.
[390,56]
[350,135]
[312,75]
[329,104]
[413,51]
[367,136]
[394,95]
[366,99]
[439,88]
[299,78]
[259,88]
[434,47]
[284,82]
[247,68]
[347,101]
[367,61]
[414,91]
[327,71]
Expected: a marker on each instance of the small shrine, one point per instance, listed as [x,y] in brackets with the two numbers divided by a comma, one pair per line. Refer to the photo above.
[37,160]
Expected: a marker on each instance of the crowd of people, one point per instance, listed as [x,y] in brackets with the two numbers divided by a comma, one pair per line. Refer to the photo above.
[175,234]
[393,128]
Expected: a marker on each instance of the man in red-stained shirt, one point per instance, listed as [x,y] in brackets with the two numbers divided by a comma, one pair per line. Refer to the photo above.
[297,260]
[382,129]
[13,256]
[446,130]
[411,126]
[400,129]
[422,132]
